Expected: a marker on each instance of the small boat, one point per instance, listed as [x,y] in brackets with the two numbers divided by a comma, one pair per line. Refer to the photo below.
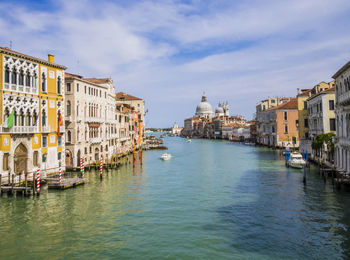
[249,143]
[165,156]
[296,161]
[189,140]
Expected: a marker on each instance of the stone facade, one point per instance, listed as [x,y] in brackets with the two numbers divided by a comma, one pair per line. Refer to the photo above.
[342,97]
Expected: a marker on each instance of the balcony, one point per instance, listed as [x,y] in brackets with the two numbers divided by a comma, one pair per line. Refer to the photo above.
[62,129]
[113,136]
[20,129]
[68,118]
[45,129]
[94,119]
[20,88]
[344,98]
[95,140]
[124,139]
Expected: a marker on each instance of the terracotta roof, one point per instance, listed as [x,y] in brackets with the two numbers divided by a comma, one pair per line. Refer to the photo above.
[25,56]
[193,118]
[292,104]
[99,81]
[322,92]
[71,75]
[124,96]
[305,91]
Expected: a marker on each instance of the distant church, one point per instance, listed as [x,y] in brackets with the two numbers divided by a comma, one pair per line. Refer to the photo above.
[204,109]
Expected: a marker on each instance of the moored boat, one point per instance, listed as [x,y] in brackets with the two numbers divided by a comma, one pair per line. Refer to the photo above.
[296,161]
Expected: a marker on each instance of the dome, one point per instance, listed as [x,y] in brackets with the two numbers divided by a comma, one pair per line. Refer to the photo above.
[219,110]
[204,109]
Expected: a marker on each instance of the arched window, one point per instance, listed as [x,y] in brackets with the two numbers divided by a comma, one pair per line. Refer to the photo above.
[78,133]
[21,117]
[77,110]
[69,107]
[43,82]
[43,118]
[14,76]
[35,118]
[6,114]
[7,75]
[28,79]
[27,120]
[59,87]
[34,78]
[21,78]
[69,136]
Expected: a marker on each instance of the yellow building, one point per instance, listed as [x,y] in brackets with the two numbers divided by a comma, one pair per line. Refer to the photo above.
[32,105]
[303,121]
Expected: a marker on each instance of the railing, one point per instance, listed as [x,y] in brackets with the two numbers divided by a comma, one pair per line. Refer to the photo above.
[124,139]
[94,119]
[45,129]
[62,129]
[95,140]
[20,129]
[68,118]
[114,135]
[20,88]
[344,98]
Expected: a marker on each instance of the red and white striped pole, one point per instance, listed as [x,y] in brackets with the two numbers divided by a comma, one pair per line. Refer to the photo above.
[101,167]
[60,171]
[38,181]
[82,169]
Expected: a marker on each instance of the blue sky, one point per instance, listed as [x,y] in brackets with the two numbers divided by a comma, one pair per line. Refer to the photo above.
[169,52]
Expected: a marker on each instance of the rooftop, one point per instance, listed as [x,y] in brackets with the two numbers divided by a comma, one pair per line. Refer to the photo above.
[292,104]
[25,56]
[124,96]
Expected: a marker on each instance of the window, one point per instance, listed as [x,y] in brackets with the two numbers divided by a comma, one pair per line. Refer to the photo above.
[7,75]
[100,93]
[21,78]
[332,124]
[69,108]
[69,136]
[44,157]
[272,101]
[43,118]
[59,84]
[306,122]
[90,149]
[77,110]
[14,77]
[285,115]
[286,129]
[28,79]
[44,141]
[35,158]
[68,87]
[331,104]
[305,105]
[43,82]
[85,89]
[85,150]
[105,94]
[59,141]
[59,156]
[321,107]
[77,87]
[306,134]
[5,162]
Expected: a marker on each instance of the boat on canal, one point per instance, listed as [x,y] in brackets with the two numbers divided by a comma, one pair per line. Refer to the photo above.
[165,156]
[296,161]
[189,140]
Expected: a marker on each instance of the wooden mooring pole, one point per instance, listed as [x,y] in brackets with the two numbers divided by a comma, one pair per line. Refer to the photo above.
[0,184]
[26,183]
[304,177]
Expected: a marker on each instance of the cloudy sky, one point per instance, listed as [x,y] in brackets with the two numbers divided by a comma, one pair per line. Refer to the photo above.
[170,52]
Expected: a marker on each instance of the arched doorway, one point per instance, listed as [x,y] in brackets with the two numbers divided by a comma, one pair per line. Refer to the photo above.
[78,158]
[20,159]
[69,159]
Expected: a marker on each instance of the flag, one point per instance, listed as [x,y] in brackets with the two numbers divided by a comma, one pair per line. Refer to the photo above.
[60,123]
[146,111]
[11,119]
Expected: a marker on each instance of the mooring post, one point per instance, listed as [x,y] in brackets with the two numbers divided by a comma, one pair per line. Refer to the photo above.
[101,167]
[38,182]
[13,180]
[25,184]
[304,178]
[34,183]
[0,184]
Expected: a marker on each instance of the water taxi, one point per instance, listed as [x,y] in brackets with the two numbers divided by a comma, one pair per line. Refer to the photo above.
[165,156]
[296,161]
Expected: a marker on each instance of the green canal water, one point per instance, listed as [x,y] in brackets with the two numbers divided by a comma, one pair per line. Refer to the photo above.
[212,200]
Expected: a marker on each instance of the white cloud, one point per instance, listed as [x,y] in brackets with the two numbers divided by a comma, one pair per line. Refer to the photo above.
[170,52]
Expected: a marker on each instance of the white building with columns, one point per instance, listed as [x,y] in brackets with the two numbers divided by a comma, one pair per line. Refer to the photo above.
[342,95]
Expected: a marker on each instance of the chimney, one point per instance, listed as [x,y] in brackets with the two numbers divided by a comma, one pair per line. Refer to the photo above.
[51,58]
[298,90]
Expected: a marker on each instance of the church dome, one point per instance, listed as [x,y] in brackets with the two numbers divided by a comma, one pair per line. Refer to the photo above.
[219,110]
[204,108]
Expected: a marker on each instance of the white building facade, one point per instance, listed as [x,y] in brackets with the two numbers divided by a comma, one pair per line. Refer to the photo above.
[342,94]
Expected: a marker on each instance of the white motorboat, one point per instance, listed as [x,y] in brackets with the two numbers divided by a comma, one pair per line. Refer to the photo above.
[296,160]
[189,140]
[165,156]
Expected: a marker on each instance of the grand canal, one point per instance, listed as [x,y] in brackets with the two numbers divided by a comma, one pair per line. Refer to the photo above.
[212,200]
